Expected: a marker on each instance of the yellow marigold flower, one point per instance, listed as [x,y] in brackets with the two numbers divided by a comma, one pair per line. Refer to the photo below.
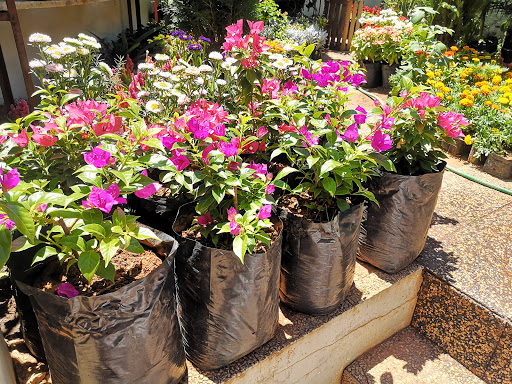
[508,81]
[430,74]
[468,140]
[476,59]
[466,103]
[508,75]
[466,48]
[439,85]
[495,106]
[488,103]
[449,97]
[440,95]
[446,90]
[503,100]
[465,57]
[493,61]
[495,88]
[431,82]
[454,48]
[474,92]
[478,76]
[486,91]
[507,94]
[496,80]
[487,57]
[463,75]
[438,73]
[505,89]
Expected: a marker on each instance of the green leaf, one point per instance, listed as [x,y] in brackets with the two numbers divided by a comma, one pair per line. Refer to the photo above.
[108,248]
[329,185]
[328,166]
[22,243]
[76,243]
[276,152]
[134,247]
[95,229]
[67,98]
[383,161]
[21,217]
[263,237]
[342,204]
[88,263]
[108,272]
[218,194]
[119,218]
[285,172]
[312,160]
[5,245]
[124,176]
[240,246]
[143,233]
[43,254]
[92,216]
[309,50]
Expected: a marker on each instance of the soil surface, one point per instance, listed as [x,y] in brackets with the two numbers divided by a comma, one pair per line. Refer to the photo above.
[129,267]
[305,206]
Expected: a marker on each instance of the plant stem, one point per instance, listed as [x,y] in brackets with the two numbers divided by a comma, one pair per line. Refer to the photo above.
[235,198]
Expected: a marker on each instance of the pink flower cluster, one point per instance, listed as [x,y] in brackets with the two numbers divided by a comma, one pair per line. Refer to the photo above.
[331,73]
[252,43]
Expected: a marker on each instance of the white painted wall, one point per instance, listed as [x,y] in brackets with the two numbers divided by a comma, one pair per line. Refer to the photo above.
[104,19]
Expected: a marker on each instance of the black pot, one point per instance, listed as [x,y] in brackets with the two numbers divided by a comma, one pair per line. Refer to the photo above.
[127,336]
[373,74]
[506,54]
[318,262]
[226,308]
[395,231]
[387,71]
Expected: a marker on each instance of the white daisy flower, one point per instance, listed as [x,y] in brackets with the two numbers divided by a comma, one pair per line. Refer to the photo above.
[54,68]
[154,106]
[192,71]
[66,50]
[215,55]
[70,74]
[146,66]
[56,55]
[176,93]
[83,51]
[92,44]
[154,72]
[83,36]
[72,41]
[205,68]
[178,68]
[221,82]
[275,56]
[165,75]
[199,81]
[36,64]
[231,60]
[161,57]
[289,47]
[142,94]
[162,85]
[225,65]
[279,64]
[105,68]
[52,48]
[183,99]
[39,38]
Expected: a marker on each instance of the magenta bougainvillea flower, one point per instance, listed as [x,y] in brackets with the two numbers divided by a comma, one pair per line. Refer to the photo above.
[99,157]
[361,117]
[104,200]
[228,149]
[148,191]
[40,136]
[352,133]
[265,212]
[41,208]
[232,214]
[258,168]
[234,228]
[381,141]
[4,220]
[109,124]
[180,162]
[20,139]
[269,189]
[452,121]
[10,180]
[67,290]
[205,220]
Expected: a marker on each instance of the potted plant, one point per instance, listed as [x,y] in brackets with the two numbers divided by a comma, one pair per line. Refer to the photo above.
[396,228]
[66,168]
[322,209]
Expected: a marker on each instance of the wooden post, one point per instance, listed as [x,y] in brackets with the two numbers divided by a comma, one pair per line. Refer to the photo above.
[22,53]
[5,86]
[348,11]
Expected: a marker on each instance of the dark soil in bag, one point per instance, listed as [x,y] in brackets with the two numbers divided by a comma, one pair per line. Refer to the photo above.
[395,232]
[226,308]
[318,261]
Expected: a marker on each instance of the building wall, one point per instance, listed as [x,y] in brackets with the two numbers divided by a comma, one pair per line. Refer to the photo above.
[104,19]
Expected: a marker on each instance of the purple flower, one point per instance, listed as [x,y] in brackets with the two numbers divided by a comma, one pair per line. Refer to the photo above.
[206,151]
[148,190]
[355,79]
[10,180]
[262,131]
[205,39]
[98,157]
[258,168]
[205,220]
[310,140]
[168,141]
[331,67]
[180,162]
[41,208]
[219,130]
[228,149]
[269,189]
[306,74]
[185,37]
[104,200]
[66,290]
[4,219]
[381,141]
[265,212]
[387,122]
[195,47]
[234,228]
[360,118]
[352,133]
[178,33]
[232,214]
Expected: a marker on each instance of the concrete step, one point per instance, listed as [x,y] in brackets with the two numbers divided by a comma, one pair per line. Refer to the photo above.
[407,358]
[316,349]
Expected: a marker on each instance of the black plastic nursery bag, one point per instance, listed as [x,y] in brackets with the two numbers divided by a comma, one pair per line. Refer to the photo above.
[394,234]
[318,262]
[127,336]
[226,308]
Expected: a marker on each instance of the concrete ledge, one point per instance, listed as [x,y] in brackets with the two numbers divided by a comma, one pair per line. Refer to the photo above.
[20,5]
[315,350]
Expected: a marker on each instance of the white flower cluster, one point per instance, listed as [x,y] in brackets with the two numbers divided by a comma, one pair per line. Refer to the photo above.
[310,35]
